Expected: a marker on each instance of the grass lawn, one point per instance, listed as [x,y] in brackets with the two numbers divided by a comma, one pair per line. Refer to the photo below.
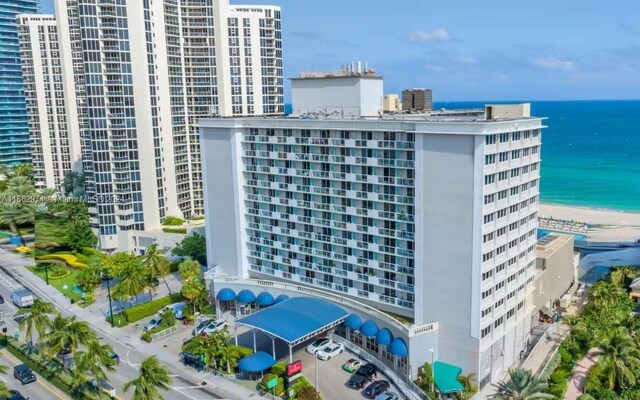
[118,320]
[59,284]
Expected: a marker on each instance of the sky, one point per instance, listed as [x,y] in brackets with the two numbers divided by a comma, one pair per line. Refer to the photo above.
[471,50]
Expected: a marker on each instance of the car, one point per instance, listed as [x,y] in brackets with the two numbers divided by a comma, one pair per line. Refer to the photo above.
[15,395]
[318,344]
[198,329]
[105,387]
[330,351]
[176,308]
[154,323]
[362,376]
[352,365]
[376,388]
[214,326]
[24,374]
[115,357]
[387,396]
[19,317]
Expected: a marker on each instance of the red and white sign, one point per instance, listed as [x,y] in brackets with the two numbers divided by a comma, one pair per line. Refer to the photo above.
[294,368]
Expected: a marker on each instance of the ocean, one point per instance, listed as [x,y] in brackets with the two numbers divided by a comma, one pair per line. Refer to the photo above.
[590,152]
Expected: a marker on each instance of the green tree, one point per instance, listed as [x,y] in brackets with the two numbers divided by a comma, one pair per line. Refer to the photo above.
[80,235]
[189,270]
[4,390]
[168,318]
[73,184]
[622,276]
[468,381]
[156,263]
[522,385]
[97,361]
[37,319]
[152,377]
[193,290]
[91,276]
[127,267]
[308,393]
[74,211]
[66,333]
[229,356]
[619,358]
[425,377]
[194,246]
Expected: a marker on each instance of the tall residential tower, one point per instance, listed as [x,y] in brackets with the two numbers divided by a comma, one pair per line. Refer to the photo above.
[145,73]
[14,130]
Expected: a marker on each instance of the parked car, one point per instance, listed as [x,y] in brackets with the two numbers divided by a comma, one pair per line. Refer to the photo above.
[15,395]
[330,351]
[214,326]
[376,388]
[362,376]
[115,357]
[318,344]
[154,323]
[24,374]
[387,396]
[352,365]
[21,317]
[198,329]
[176,308]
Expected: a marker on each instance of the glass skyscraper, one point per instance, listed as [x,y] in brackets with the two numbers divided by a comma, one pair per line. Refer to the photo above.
[14,131]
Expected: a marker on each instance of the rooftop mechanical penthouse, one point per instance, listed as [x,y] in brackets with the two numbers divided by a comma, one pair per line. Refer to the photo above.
[431,217]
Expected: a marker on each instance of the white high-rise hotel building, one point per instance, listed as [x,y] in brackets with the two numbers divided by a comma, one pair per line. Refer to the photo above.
[137,76]
[429,217]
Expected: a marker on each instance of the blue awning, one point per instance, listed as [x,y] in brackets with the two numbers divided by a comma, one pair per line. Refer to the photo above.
[369,329]
[353,321]
[398,348]
[226,294]
[264,299]
[246,296]
[384,337]
[257,362]
[281,298]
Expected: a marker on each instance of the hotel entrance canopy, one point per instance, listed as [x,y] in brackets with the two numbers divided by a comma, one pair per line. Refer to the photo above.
[446,377]
[296,320]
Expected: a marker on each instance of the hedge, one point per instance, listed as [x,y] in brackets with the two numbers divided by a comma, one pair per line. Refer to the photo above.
[141,311]
[70,259]
[171,220]
[175,230]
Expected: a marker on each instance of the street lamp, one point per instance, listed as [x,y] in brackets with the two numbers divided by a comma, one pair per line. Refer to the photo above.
[46,272]
[107,278]
[433,372]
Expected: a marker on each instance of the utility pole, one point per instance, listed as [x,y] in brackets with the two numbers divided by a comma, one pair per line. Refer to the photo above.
[107,278]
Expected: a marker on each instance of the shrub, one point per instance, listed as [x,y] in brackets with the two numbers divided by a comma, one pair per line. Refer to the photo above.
[88,251]
[279,368]
[244,351]
[81,257]
[141,311]
[175,230]
[565,355]
[70,259]
[172,221]
[560,375]
[279,387]
[146,336]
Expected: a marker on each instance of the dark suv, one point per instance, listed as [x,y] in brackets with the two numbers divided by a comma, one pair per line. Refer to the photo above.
[24,374]
[15,395]
[375,389]
[363,375]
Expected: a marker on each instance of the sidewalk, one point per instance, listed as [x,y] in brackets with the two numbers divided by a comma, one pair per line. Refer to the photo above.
[14,265]
[579,374]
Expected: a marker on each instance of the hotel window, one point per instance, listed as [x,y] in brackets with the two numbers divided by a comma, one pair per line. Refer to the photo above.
[504,156]
[498,322]
[485,331]
[488,179]
[499,303]
[488,218]
[527,134]
[504,137]
[515,154]
[487,293]
[515,172]
[488,256]
[513,209]
[499,285]
[500,268]
[488,237]
[491,139]
[502,213]
[490,198]
[489,159]
[486,311]
[502,175]
[514,191]
[502,194]
[501,249]
[501,231]
[487,275]
[515,136]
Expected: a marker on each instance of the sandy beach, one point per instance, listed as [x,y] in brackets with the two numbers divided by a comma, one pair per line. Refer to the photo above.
[604,225]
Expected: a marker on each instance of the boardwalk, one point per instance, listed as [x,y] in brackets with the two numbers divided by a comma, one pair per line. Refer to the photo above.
[579,374]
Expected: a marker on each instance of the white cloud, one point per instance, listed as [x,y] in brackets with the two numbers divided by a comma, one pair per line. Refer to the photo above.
[438,35]
[436,68]
[554,63]
[465,60]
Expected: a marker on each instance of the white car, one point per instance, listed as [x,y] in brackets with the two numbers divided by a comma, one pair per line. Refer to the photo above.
[154,323]
[330,351]
[214,326]
[318,344]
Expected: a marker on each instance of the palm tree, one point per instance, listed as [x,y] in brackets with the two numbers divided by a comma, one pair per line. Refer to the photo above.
[4,390]
[36,319]
[156,262]
[575,322]
[15,214]
[191,290]
[96,360]
[619,358]
[189,269]
[132,281]
[621,276]
[68,334]
[522,385]
[468,382]
[228,355]
[603,292]
[152,377]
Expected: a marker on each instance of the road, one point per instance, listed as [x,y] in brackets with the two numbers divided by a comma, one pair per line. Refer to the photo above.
[183,387]
[39,389]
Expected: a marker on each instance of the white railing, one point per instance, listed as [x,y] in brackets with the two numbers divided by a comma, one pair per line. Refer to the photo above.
[410,331]
[405,386]
[164,333]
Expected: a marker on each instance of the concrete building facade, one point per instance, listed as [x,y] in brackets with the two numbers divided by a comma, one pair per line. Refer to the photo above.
[430,219]
[556,269]
[55,142]
[140,75]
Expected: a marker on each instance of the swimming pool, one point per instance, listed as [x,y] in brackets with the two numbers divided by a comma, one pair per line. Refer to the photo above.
[577,236]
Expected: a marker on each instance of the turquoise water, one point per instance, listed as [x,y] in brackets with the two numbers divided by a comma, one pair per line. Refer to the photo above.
[590,152]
